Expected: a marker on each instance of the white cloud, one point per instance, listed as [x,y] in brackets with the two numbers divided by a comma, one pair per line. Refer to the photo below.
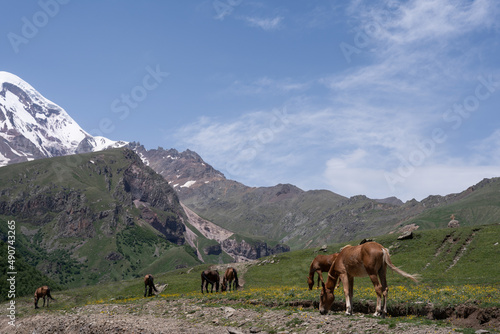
[421,21]
[267,86]
[487,150]
[265,23]
[355,178]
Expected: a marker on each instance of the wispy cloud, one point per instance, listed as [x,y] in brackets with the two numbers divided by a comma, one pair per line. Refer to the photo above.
[267,86]
[265,23]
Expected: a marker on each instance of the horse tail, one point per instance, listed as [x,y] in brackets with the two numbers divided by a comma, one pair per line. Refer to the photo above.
[236,278]
[48,295]
[153,283]
[387,260]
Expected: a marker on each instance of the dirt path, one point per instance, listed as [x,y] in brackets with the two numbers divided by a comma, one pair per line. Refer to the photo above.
[191,316]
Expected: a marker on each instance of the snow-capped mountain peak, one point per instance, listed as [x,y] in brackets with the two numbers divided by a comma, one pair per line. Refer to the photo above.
[33,127]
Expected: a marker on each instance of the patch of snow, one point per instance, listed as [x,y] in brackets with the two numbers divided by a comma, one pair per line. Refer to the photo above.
[188,184]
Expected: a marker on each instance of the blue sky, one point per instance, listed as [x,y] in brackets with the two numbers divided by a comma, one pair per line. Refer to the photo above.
[380,98]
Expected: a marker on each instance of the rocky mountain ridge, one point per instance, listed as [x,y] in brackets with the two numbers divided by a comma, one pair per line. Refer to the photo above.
[286,214]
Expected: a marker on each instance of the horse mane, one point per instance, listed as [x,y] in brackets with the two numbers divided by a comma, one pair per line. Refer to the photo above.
[346,246]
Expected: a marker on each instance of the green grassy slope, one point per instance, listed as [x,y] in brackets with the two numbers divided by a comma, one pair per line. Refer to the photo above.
[76,223]
[479,205]
[430,254]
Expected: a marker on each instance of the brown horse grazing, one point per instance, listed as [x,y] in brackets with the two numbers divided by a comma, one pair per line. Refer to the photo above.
[230,278]
[369,259]
[149,282]
[210,277]
[42,292]
[320,264]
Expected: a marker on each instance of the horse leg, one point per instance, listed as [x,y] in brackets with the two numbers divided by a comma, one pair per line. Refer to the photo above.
[346,282]
[385,289]
[43,301]
[320,276]
[378,291]
[351,292]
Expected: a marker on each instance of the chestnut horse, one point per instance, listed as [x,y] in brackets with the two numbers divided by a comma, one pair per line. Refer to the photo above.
[230,278]
[320,264]
[369,259]
[210,277]
[149,282]
[42,292]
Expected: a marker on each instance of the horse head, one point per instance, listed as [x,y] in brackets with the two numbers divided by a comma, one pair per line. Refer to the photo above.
[310,282]
[326,299]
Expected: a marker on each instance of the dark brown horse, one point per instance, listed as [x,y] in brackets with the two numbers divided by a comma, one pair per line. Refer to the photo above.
[210,277]
[149,282]
[320,264]
[42,292]
[230,278]
[369,259]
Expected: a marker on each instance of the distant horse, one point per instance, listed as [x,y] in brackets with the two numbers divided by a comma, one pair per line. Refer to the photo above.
[230,278]
[149,282]
[369,259]
[42,292]
[320,264]
[210,277]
